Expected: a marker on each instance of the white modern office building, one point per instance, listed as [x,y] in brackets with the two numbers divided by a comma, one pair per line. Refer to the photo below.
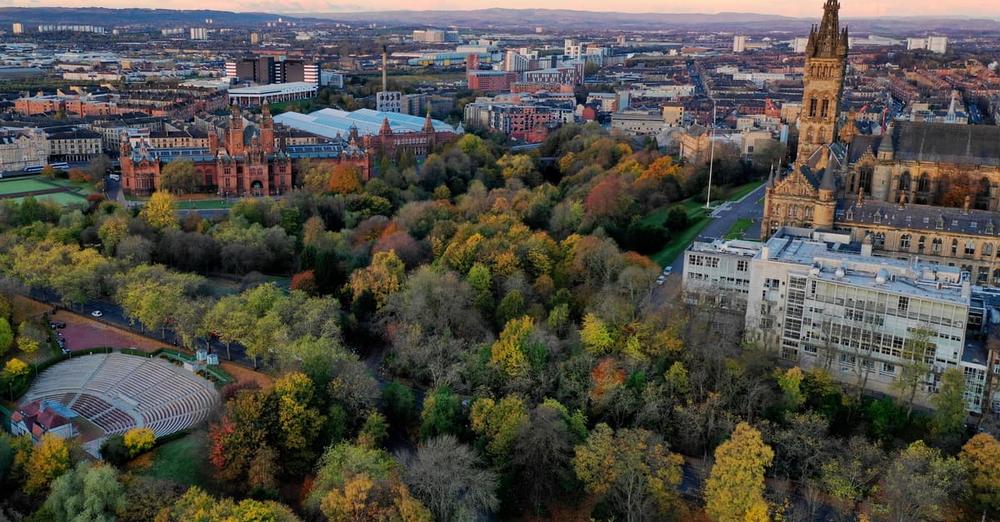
[820,300]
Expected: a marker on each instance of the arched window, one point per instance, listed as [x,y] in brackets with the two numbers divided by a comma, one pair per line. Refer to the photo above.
[936,245]
[954,247]
[987,249]
[983,194]
[879,240]
[924,184]
[904,242]
[996,277]
[866,179]
[921,244]
[970,247]
[904,182]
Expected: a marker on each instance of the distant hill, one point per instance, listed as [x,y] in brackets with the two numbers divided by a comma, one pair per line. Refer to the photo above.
[570,19]
[497,18]
[112,17]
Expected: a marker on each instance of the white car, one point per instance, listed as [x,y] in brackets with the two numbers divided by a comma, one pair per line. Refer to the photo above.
[97,313]
[115,177]
[660,280]
[667,270]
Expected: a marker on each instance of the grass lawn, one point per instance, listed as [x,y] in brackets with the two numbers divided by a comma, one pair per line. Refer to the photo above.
[738,229]
[15,186]
[742,190]
[698,217]
[678,243]
[203,204]
[183,461]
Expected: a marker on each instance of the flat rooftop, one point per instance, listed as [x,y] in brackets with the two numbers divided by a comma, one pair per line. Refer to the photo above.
[843,264]
[738,247]
[274,88]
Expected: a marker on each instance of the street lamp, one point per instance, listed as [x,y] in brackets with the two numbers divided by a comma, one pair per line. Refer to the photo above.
[711,158]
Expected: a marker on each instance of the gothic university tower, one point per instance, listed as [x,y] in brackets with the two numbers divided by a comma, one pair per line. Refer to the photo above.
[823,83]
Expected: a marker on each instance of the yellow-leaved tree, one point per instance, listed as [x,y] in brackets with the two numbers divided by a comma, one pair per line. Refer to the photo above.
[160,211]
[981,459]
[735,486]
[48,460]
[508,353]
[139,440]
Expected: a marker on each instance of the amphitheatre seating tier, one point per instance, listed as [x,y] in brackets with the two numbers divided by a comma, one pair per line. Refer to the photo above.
[117,392]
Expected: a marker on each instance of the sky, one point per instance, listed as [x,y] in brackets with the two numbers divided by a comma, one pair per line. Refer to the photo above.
[807,8]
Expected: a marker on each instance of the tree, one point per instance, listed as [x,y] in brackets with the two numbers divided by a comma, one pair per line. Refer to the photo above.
[735,485]
[919,484]
[113,450]
[6,336]
[345,179]
[542,454]
[849,476]
[138,440]
[200,506]
[87,492]
[595,335]
[160,211]
[790,383]
[446,476]
[498,423]
[510,352]
[949,404]
[48,460]
[914,367]
[383,277]
[441,414]
[632,468]
[179,177]
[981,458]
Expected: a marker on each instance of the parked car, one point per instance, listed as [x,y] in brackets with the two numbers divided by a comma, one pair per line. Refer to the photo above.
[667,270]
[660,280]
[97,313]
[60,324]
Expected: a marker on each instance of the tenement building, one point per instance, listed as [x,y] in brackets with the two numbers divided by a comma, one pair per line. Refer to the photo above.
[919,190]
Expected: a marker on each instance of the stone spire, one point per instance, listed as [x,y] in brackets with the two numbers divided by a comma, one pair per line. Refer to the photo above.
[827,40]
[428,123]
[386,129]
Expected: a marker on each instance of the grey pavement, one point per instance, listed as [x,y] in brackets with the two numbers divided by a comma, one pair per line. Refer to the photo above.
[750,206]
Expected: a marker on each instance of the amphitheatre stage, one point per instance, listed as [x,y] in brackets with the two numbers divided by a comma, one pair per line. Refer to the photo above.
[115,392]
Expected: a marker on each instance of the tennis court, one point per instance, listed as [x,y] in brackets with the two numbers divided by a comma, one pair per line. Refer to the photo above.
[16,186]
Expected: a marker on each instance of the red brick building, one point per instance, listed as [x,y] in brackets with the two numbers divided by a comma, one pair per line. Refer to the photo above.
[248,162]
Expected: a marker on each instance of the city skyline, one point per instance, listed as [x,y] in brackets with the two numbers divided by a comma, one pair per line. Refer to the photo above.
[790,8]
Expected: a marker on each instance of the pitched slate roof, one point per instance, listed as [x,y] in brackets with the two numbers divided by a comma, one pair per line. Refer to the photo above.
[937,142]
[918,217]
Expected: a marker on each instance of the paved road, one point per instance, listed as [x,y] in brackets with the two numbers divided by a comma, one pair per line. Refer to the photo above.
[750,206]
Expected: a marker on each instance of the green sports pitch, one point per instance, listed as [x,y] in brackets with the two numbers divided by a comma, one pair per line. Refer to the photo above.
[18,186]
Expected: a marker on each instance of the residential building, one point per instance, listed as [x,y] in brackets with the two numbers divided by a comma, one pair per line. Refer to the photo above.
[17,28]
[22,148]
[638,123]
[199,33]
[490,81]
[76,145]
[520,117]
[388,101]
[739,43]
